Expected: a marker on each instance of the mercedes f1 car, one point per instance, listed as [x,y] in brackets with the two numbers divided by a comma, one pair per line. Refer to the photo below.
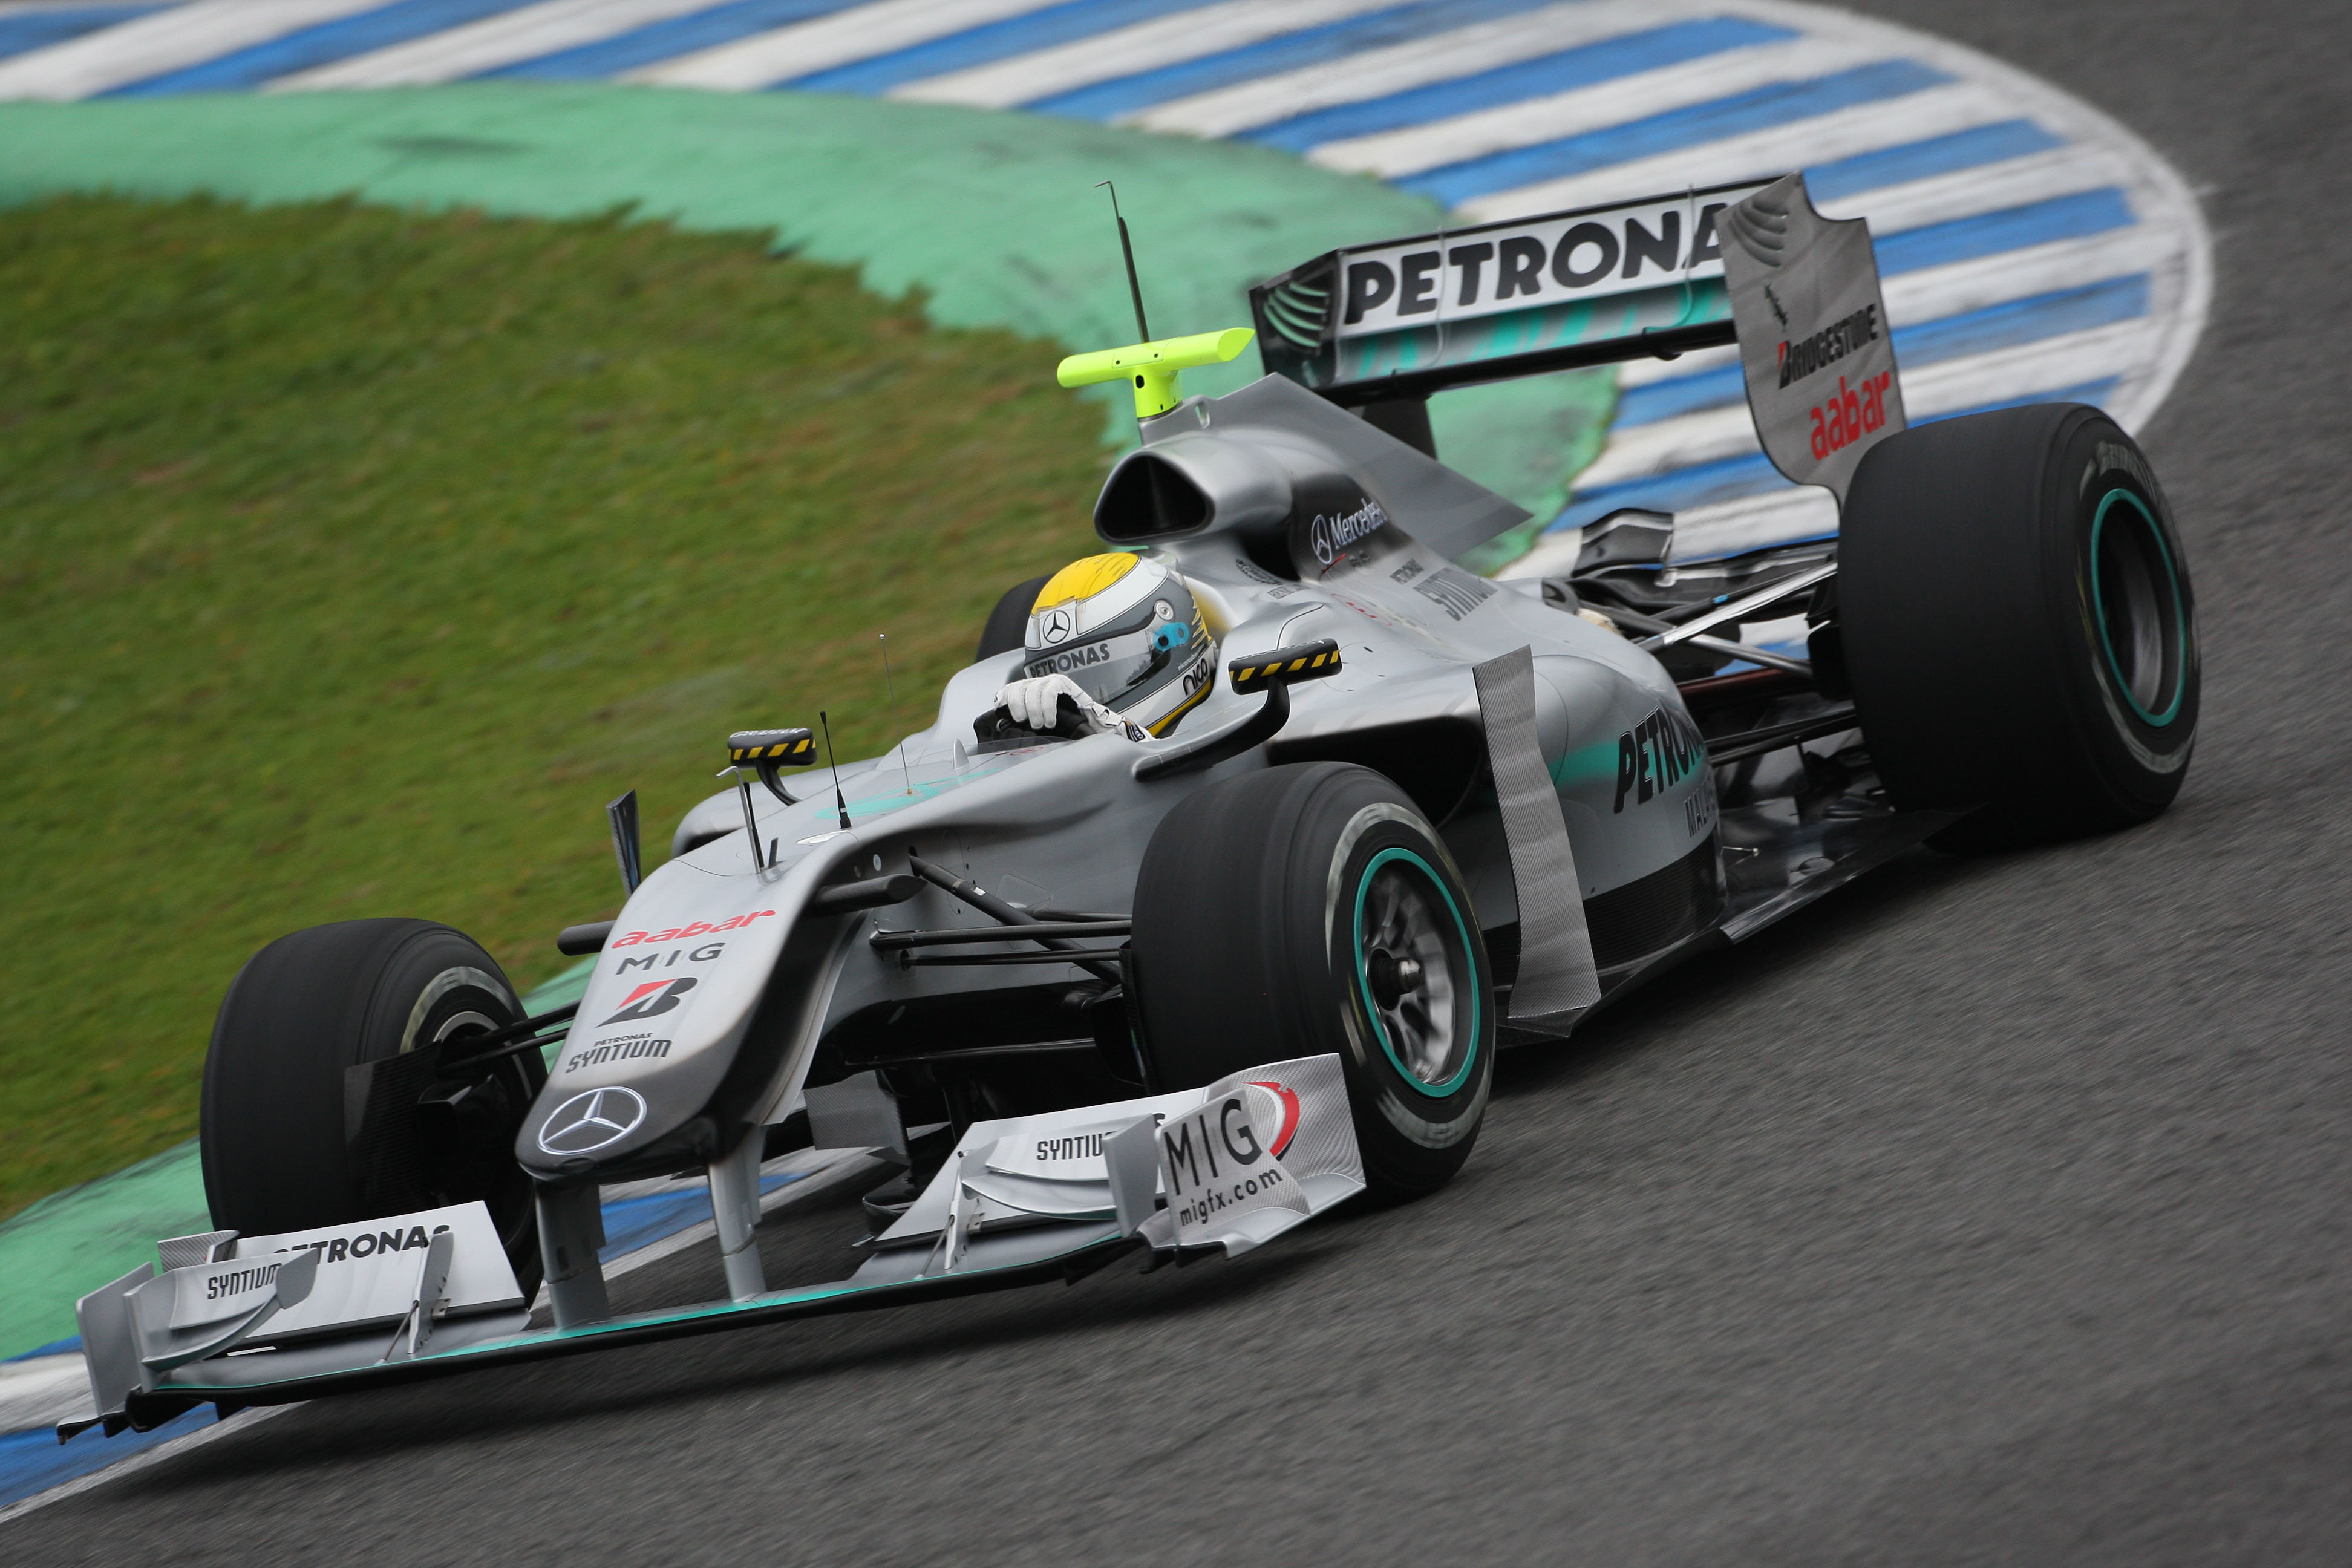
[1170,989]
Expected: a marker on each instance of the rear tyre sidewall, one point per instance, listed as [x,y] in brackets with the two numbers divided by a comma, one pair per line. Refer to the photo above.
[2139,740]
[1993,571]
[303,1011]
[1248,914]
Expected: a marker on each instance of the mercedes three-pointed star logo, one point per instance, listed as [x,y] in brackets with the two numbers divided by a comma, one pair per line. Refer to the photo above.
[593,1119]
[1059,624]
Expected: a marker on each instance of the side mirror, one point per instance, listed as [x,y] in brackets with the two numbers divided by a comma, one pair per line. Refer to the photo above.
[1284,666]
[1273,673]
[765,750]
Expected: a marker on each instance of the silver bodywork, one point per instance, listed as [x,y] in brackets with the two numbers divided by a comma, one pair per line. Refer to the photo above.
[1062,825]
[1559,759]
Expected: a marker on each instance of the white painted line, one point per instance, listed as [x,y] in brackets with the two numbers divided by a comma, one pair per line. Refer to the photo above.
[749,64]
[1641,371]
[2053,364]
[1376,73]
[1646,451]
[1189,35]
[242,1422]
[50,1389]
[166,41]
[35,7]
[2167,210]
[43,1391]
[1933,293]
[1989,187]
[1754,522]
[1706,533]
[1393,155]
[1818,139]
[1552,555]
[494,41]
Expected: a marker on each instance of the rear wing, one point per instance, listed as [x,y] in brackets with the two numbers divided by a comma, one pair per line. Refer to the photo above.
[1378,328]
[1400,320]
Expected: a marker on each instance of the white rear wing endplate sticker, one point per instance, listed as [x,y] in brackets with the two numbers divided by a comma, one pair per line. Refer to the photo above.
[1814,344]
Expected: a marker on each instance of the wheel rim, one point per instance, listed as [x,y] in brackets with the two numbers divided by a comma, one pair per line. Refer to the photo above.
[471,1168]
[2135,600]
[1414,971]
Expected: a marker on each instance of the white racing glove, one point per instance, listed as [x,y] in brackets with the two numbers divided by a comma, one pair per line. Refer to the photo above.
[1035,702]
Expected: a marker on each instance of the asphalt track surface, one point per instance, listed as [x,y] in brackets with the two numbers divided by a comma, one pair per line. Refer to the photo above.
[1992,1211]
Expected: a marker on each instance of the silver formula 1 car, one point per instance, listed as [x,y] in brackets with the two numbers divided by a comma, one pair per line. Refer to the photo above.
[1171,989]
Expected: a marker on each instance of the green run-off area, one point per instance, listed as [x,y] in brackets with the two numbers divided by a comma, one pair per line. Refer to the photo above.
[352,558]
[994,214]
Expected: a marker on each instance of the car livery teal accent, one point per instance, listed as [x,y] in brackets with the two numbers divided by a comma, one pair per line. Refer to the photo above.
[2172,587]
[1363,986]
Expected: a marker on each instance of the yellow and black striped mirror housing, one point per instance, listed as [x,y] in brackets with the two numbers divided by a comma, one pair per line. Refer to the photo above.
[1306,661]
[777,748]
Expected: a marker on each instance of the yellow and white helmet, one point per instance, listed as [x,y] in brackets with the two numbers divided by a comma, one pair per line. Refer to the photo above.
[1127,630]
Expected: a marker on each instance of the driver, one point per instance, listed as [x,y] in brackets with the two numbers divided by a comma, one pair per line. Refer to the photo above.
[1121,640]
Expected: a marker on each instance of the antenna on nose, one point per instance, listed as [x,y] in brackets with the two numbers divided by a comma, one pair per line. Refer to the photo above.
[839,805]
[1127,248]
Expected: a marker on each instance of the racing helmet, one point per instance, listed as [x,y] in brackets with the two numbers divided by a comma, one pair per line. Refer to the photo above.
[1127,630]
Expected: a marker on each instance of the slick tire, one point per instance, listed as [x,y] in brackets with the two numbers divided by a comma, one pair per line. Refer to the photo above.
[1008,624]
[279,1153]
[1310,909]
[2018,626]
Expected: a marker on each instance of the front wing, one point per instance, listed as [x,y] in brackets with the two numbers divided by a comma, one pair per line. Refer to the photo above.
[237,1322]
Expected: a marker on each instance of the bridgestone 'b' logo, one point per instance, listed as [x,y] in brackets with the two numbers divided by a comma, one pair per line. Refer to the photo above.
[653,998]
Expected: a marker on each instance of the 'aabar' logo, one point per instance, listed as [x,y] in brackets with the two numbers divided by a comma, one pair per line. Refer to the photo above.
[651,999]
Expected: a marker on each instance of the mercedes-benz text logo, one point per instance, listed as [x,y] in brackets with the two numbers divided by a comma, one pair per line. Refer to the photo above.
[1058,626]
[593,1119]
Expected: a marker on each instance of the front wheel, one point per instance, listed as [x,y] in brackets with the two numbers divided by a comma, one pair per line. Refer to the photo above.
[291,1142]
[1310,909]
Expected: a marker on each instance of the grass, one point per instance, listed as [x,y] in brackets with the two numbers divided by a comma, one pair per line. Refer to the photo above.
[352,558]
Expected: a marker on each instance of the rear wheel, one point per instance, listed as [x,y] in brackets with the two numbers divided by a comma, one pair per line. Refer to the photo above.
[2017,621]
[292,1140]
[1310,909]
